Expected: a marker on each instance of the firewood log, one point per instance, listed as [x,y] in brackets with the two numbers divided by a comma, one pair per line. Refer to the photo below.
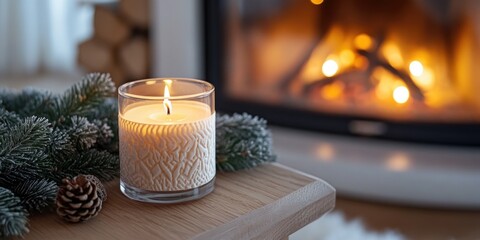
[134,57]
[109,26]
[95,56]
[136,12]
[117,74]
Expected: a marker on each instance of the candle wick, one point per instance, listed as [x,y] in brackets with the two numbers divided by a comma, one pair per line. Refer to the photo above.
[168,110]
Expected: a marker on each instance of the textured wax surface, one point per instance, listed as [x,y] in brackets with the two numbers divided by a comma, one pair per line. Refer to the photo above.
[167,157]
[154,113]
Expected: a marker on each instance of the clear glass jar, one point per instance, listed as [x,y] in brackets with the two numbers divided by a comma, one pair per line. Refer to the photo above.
[167,139]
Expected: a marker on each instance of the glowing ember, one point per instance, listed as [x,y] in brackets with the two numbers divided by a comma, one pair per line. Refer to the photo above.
[422,76]
[333,91]
[347,57]
[329,68]
[425,81]
[361,62]
[316,2]
[392,53]
[401,94]
[416,68]
[363,41]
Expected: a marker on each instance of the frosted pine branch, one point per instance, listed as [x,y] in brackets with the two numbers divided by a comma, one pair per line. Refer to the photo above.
[13,217]
[242,141]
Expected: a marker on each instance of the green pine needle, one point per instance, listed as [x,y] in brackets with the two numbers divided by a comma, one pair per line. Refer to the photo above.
[33,102]
[8,118]
[83,98]
[36,195]
[29,134]
[83,133]
[60,145]
[16,174]
[101,164]
[106,119]
[242,141]
[13,216]
[29,102]
[105,133]
[24,143]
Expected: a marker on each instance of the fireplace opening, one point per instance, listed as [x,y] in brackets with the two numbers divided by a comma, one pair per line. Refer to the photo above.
[399,69]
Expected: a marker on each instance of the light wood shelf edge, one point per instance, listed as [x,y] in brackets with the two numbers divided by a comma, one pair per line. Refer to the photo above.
[282,217]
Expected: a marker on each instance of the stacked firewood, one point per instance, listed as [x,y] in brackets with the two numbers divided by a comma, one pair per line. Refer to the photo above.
[120,43]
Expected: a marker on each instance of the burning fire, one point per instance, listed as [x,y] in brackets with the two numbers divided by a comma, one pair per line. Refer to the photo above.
[366,62]
[347,60]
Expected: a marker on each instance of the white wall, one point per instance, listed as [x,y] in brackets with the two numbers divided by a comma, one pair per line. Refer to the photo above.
[177,38]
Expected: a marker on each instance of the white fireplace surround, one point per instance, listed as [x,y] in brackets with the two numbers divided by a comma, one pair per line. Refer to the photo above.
[396,172]
[177,37]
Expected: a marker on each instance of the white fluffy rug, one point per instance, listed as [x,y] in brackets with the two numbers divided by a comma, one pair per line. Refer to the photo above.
[333,226]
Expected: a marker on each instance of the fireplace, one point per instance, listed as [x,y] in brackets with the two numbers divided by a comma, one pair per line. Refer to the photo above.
[399,69]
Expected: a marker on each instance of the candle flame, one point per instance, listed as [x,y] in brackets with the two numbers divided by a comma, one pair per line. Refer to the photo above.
[166,102]
[168,82]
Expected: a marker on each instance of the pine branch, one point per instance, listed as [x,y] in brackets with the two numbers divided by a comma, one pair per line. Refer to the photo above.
[105,117]
[83,98]
[101,164]
[35,153]
[35,195]
[31,102]
[30,134]
[60,145]
[8,118]
[106,109]
[82,132]
[13,217]
[24,144]
[242,141]
[7,97]
[105,133]
[16,174]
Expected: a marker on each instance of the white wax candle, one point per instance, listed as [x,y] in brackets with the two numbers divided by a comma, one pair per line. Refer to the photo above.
[167,152]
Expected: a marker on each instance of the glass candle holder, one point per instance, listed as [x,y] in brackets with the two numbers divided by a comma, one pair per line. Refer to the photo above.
[167,139]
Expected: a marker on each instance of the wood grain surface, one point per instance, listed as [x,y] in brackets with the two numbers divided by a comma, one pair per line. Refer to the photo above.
[268,202]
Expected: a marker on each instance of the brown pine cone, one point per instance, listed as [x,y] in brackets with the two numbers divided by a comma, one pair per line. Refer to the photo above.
[80,199]
[101,191]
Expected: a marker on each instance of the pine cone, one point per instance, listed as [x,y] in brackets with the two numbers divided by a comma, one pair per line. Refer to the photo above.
[80,198]
[101,191]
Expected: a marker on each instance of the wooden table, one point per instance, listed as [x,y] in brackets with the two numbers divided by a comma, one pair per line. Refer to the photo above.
[268,202]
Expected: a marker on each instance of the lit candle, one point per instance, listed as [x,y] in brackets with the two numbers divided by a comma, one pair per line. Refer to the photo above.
[167,142]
